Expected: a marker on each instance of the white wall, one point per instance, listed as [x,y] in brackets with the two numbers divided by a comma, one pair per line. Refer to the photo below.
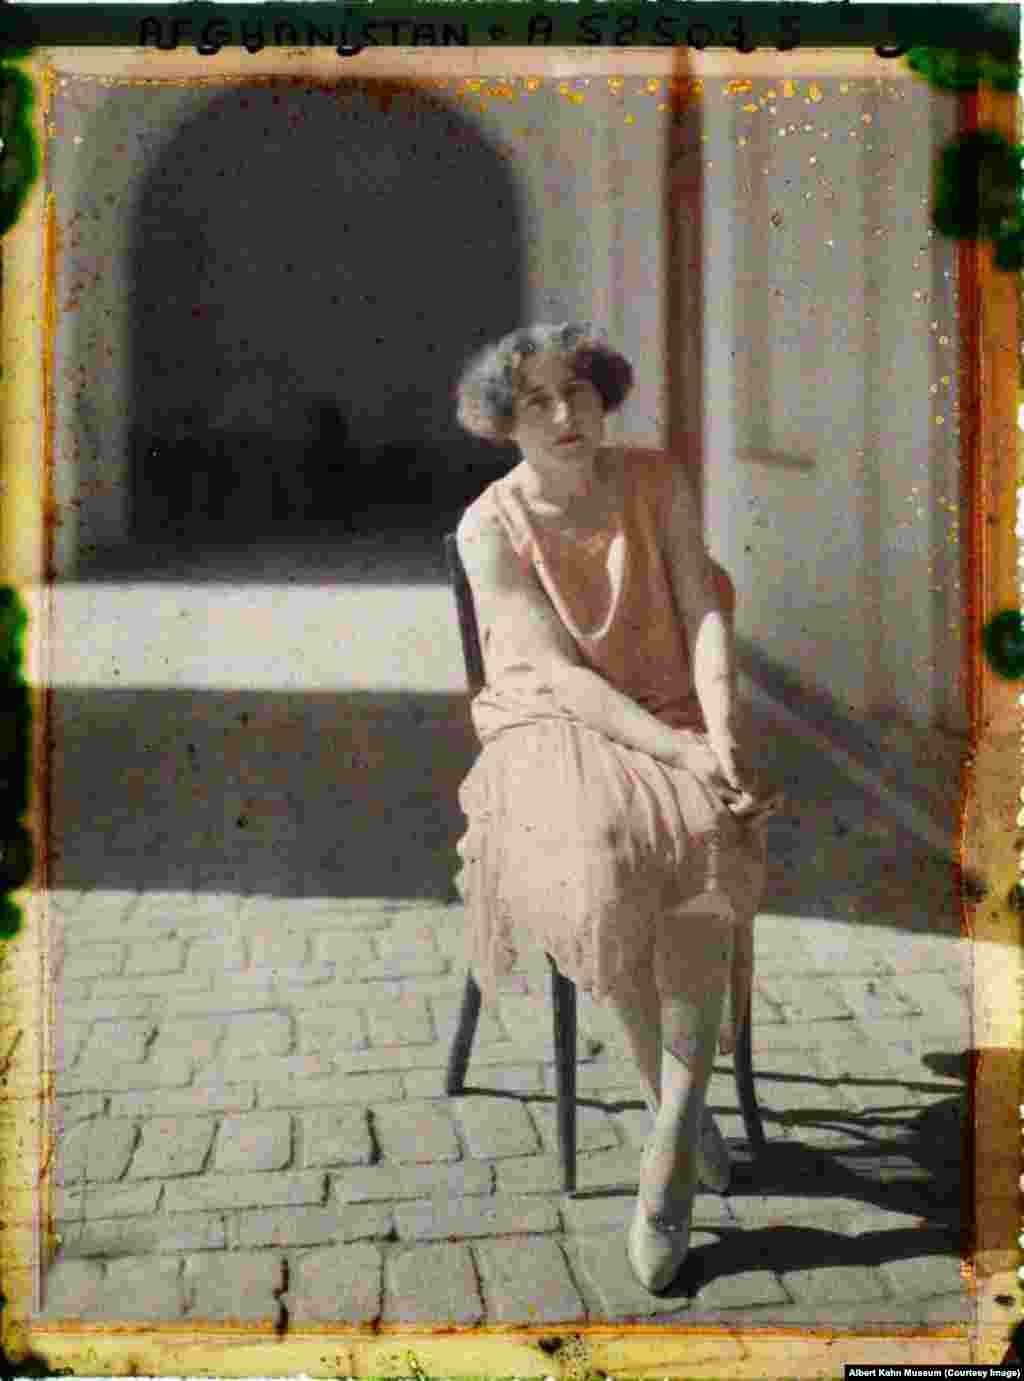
[807,336]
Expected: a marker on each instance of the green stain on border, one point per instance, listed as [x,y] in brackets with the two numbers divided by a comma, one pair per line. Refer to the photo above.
[1003,641]
[20,158]
[952,69]
[16,850]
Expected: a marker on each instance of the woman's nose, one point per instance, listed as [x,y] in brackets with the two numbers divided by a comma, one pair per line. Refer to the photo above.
[563,410]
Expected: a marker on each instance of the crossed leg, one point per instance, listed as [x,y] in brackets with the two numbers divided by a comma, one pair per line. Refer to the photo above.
[671,1011]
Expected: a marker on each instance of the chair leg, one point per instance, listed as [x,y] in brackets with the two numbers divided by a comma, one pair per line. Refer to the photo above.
[745,1087]
[458,1056]
[563,995]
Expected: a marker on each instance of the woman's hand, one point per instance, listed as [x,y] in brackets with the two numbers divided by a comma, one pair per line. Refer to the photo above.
[745,795]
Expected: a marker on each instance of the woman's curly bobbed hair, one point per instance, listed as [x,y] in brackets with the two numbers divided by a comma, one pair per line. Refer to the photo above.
[490,383]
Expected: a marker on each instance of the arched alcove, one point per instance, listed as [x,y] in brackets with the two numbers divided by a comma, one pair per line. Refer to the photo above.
[308,268]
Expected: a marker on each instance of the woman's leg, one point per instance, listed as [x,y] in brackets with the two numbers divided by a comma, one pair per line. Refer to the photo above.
[692,960]
[637,1003]
[689,974]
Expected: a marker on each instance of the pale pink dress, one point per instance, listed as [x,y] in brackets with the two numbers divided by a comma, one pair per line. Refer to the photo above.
[574,840]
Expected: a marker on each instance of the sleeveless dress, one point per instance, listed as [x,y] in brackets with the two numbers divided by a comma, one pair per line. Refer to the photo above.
[574,841]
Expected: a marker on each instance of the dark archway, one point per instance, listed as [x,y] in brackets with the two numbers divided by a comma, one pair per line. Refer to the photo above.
[309,267]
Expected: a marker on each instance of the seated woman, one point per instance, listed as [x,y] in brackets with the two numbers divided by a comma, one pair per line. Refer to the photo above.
[610,812]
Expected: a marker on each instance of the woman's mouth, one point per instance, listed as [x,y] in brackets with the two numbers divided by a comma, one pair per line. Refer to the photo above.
[569,440]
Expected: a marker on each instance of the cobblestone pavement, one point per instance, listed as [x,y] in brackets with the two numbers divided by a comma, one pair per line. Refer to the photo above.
[251,1120]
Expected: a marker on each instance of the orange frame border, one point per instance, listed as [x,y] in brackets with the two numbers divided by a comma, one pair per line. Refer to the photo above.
[989,466]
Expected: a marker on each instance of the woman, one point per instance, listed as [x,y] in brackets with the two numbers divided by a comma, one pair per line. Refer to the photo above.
[610,812]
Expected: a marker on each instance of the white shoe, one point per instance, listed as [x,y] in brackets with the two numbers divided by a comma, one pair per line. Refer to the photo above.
[657,1248]
[714,1164]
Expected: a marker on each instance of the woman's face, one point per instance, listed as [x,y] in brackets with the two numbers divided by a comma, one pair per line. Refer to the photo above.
[559,422]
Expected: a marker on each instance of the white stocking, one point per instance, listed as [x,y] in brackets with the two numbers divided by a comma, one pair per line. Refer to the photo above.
[671,1012]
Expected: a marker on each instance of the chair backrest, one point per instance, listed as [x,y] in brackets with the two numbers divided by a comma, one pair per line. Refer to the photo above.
[469,629]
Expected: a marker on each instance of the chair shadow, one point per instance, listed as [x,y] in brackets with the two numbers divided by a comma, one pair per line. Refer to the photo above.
[905,1159]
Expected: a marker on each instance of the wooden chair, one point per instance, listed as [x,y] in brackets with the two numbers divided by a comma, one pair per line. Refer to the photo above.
[563,992]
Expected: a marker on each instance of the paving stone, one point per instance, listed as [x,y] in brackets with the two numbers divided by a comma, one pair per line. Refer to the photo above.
[957,1308]
[614,1080]
[405,940]
[72,1289]
[411,967]
[329,1029]
[225,955]
[404,1022]
[310,1227]
[119,1040]
[930,996]
[526,1281]
[119,1200]
[106,904]
[199,1037]
[392,1183]
[800,1001]
[256,994]
[181,904]
[415,1132]
[605,1213]
[254,1141]
[281,946]
[95,1150]
[264,1069]
[536,1174]
[155,956]
[234,1098]
[142,1288]
[329,1090]
[783,1210]
[332,1136]
[334,920]
[112,1237]
[341,993]
[446,1012]
[440,1219]
[336,1285]
[430,1083]
[75,992]
[432,1285]
[173,1146]
[873,998]
[921,1275]
[69,1039]
[298,976]
[113,1077]
[350,952]
[106,1009]
[92,961]
[244,1191]
[913,954]
[825,1286]
[78,1108]
[605,1266]
[634,1126]
[234,1285]
[742,1290]
[257,1033]
[595,1130]
[496,1127]
[179,986]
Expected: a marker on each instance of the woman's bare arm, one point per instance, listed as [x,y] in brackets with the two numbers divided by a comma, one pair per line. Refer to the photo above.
[707,629]
[519,627]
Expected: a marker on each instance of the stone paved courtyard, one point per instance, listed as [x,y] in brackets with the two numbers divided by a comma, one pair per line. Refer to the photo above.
[258,966]
[252,1122]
